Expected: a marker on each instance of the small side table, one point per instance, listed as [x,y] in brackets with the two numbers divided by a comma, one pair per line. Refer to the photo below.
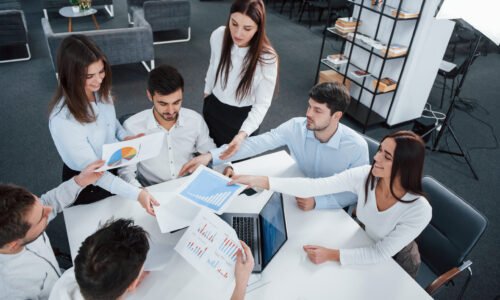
[68,12]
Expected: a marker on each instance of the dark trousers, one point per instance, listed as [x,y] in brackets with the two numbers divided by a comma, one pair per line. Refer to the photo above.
[89,194]
[223,121]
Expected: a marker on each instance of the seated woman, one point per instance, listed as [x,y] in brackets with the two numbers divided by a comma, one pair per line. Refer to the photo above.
[83,119]
[390,205]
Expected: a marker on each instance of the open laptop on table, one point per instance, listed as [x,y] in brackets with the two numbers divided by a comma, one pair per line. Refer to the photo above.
[265,232]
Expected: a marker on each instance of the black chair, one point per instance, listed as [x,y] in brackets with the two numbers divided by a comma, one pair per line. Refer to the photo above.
[13,33]
[334,7]
[445,243]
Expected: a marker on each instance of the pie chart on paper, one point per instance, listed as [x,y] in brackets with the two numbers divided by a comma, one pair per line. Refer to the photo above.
[122,155]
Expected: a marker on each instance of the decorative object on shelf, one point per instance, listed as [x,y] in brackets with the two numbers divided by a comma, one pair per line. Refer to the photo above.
[384,85]
[337,59]
[332,76]
[360,74]
[395,50]
[345,25]
[404,14]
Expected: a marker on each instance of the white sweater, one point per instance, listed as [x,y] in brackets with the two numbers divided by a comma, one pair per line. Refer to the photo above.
[264,81]
[391,230]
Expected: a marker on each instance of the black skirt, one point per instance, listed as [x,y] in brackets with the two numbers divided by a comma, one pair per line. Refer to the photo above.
[223,121]
[91,193]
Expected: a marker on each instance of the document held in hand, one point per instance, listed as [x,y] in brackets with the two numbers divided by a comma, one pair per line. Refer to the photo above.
[210,245]
[207,188]
[132,151]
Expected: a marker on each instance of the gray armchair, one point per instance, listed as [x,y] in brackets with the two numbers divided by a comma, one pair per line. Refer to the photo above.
[13,32]
[57,4]
[163,16]
[121,46]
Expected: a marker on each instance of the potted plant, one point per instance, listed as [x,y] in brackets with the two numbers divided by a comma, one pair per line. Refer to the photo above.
[74,4]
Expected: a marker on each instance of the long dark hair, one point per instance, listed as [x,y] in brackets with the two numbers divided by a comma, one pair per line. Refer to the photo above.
[408,164]
[74,55]
[259,45]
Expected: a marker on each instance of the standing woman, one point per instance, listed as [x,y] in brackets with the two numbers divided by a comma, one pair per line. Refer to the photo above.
[241,77]
[390,204]
[83,119]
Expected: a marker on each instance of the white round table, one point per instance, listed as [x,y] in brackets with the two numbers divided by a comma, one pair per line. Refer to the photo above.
[69,13]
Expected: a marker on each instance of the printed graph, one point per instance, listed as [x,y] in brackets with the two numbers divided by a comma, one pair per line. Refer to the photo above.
[197,250]
[121,155]
[209,190]
[207,233]
[228,248]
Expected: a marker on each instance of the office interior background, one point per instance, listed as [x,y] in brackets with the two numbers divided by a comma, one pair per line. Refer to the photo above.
[29,158]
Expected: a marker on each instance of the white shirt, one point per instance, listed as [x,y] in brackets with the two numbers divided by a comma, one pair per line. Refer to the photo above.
[79,144]
[31,273]
[188,136]
[264,81]
[66,288]
[391,229]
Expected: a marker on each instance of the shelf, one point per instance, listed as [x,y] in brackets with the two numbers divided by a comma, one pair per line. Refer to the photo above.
[367,48]
[358,112]
[335,68]
[384,13]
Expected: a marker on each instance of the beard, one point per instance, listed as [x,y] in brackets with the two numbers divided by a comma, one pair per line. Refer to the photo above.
[311,126]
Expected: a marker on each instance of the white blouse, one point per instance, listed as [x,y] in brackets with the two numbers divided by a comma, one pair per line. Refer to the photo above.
[391,229]
[264,81]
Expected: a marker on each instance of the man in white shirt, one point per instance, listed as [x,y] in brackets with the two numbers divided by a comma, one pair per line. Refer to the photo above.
[110,264]
[28,266]
[319,143]
[186,133]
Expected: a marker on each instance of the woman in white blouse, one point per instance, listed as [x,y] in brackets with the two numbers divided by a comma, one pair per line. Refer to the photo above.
[241,77]
[83,119]
[391,205]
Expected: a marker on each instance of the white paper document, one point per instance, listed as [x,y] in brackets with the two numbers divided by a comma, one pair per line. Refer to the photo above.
[174,212]
[132,151]
[207,188]
[210,245]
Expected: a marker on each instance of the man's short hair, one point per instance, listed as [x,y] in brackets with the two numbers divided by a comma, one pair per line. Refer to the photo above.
[165,80]
[335,95]
[15,203]
[111,259]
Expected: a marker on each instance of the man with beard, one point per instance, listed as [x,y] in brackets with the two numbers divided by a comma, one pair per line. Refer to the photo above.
[319,143]
[186,133]
[28,266]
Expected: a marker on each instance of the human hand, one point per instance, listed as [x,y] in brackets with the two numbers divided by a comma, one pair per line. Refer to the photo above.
[234,146]
[193,164]
[243,269]
[228,171]
[147,202]
[205,96]
[251,181]
[89,175]
[319,255]
[131,137]
[306,204]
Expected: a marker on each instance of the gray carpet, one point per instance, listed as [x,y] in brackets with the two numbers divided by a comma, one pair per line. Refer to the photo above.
[30,159]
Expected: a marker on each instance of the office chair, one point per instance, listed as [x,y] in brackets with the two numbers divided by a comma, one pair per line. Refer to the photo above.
[445,243]
[372,146]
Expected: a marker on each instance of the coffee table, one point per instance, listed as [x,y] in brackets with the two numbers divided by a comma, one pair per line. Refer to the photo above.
[69,13]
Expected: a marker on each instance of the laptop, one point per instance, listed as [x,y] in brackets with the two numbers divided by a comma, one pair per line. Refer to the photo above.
[265,232]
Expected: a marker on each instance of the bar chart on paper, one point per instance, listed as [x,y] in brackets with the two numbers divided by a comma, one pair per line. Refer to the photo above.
[209,189]
[211,246]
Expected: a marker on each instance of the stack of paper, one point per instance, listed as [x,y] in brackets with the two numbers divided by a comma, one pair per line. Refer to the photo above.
[404,14]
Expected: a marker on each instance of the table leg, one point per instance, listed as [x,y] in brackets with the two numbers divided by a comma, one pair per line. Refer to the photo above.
[95,22]
[70,25]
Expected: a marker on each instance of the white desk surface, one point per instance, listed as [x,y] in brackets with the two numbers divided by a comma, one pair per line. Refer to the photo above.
[290,275]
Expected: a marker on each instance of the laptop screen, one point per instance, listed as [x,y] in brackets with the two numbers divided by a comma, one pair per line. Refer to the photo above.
[273,228]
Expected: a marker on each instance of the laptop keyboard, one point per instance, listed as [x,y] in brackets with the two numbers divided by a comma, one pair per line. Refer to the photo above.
[244,227]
